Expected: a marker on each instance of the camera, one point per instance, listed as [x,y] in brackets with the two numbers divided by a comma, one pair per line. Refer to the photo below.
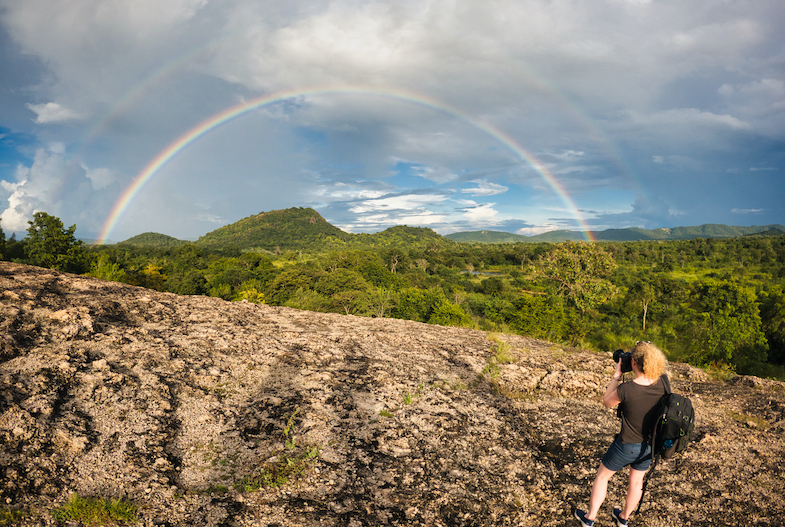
[626,360]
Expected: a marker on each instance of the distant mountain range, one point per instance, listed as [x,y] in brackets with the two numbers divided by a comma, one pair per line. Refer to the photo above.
[710,230]
[304,229]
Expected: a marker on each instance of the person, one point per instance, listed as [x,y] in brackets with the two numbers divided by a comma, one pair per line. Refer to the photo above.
[638,402]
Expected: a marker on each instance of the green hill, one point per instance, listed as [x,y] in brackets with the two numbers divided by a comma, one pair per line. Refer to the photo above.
[304,229]
[153,239]
[295,229]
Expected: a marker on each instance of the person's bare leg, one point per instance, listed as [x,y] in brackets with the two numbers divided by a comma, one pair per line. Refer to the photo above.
[634,492]
[598,490]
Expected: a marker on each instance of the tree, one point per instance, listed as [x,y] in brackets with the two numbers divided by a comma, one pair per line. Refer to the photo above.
[411,305]
[50,245]
[340,280]
[540,317]
[380,300]
[724,325]
[194,283]
[287,283]
[772,313]
[14,250]
[375,273]
[344,287]
[641,292]
[493,285]
[448,314]
[151,277]
[2,241]
[103,267]
[249,292]
[429,305]
[580,270]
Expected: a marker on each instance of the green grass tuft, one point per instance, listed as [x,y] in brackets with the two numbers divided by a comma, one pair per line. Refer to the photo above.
[279,472]
[9,517]
[749,420]
[96,511]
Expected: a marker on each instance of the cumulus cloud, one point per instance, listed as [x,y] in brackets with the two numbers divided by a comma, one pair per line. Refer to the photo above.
[401,202]
[480,214]
[100,177]
[344,192]
[485,188]
[534,231]
[680,117]
[51,112]
[375,222]
[568,155]
[32,190]
[19,211]
[51,184]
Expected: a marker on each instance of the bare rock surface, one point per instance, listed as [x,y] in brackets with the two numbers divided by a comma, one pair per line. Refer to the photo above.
[189,407]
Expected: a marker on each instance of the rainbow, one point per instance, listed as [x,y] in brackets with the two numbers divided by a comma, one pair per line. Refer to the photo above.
[241,109]
[137,92]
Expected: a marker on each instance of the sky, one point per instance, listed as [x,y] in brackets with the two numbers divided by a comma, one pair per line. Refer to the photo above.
[522,116]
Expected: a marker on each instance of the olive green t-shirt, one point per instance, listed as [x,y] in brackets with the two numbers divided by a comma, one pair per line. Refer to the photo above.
[639,406]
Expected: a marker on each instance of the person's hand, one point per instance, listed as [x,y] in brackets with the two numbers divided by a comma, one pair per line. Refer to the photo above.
[618,374]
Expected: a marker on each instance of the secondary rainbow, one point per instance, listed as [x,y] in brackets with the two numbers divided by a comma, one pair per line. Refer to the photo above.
[234,112]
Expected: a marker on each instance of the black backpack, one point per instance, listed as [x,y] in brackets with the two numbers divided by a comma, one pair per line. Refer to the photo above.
[674,425]
[671,431]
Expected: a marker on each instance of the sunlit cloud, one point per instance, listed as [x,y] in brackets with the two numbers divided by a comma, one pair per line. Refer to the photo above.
[691,117]
[533,231]
[405,202]
[51,112]
[481,214]
[485,188]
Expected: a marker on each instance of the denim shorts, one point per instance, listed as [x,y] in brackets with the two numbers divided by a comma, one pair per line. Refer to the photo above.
[619,455]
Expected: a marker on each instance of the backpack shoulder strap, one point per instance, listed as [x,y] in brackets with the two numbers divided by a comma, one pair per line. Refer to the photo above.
[666,382]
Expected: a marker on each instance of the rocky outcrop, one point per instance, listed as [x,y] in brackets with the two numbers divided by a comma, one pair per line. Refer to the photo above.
[205,412]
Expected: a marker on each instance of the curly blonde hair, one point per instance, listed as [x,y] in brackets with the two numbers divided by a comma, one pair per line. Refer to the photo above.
[650,359]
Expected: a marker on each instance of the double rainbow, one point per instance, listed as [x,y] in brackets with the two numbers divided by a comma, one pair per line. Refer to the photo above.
[154,166]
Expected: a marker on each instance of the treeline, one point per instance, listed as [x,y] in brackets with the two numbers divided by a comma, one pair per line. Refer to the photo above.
[716,303]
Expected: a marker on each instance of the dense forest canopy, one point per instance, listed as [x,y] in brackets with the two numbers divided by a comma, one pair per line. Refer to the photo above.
[713,302]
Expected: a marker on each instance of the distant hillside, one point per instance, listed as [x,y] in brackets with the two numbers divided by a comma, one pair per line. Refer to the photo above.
[709,230]
[398,235]
[771,232]
[618,235]
[488,237]
[153,239]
